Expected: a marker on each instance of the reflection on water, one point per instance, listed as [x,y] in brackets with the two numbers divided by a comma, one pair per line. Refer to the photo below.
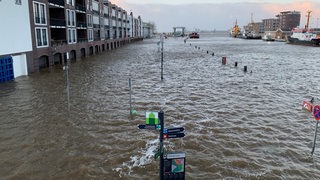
[238,125]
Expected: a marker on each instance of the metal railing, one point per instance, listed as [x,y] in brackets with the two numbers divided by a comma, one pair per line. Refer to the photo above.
[96,25]
[58,42]
[81,24]
[57,22]
[57,2]
[82,40]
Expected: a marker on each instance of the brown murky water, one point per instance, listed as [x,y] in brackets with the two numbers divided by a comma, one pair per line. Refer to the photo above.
[238,125]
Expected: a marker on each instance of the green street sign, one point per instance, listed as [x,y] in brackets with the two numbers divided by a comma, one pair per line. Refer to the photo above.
[152,118]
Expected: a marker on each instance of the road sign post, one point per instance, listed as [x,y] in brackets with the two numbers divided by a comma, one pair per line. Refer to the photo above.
[161,119]
[155,121]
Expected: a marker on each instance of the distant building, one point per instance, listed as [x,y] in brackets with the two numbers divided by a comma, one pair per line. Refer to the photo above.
[271,24]
[289,20]
[148,30]
[48,32]
[256,27]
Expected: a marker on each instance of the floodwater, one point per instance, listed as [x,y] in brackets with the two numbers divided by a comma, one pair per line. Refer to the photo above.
[238,125]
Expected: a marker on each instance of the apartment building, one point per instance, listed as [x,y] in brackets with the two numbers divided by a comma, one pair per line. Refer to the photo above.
[289,20]
[271,24]
[49,32]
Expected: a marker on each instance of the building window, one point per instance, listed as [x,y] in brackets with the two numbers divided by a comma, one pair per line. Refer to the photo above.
[70,2]
[90,35]
[72,36]
[42,37]
[39,10]
[71,18]
[89,20]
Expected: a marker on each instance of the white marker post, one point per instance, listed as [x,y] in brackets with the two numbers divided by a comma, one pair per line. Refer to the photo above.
[66,68]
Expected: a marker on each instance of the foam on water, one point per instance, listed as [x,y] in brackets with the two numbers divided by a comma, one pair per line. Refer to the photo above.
[145,157]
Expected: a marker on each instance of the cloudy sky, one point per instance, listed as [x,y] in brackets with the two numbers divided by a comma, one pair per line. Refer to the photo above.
[215,14]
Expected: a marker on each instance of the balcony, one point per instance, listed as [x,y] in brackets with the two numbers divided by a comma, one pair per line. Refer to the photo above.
[57,22]
[57,2]
[96,25]
[81,24]
[82,40]
[80,7]
[55,43]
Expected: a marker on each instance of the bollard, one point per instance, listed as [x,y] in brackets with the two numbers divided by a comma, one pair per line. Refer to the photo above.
[224,60]
[245,68]
[207,52]
[236,64]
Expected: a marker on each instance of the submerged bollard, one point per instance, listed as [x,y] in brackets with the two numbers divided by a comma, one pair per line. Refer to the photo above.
[224,60]
[245,68]
[236,64]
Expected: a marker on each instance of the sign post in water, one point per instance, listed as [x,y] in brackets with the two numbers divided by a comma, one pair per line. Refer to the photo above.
[172,164]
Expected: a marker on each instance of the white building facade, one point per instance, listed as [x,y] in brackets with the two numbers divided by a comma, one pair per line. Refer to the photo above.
[15,34]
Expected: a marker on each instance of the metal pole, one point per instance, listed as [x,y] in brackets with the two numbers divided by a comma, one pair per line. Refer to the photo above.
[315,138]
[161,40]
[161,119]
[68,86]
[130,95]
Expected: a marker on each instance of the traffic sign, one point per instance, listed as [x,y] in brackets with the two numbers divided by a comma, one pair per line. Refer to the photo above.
[147,126]
[316,112]
[177,135]
[175,130]
[307,105]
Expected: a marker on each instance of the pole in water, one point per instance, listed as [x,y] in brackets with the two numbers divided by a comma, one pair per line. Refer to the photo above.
[161,57]
[236,64]
[224,60]
[315,138]
[66,68]
[161,119]
[245,68]
[130,95]
[207,52]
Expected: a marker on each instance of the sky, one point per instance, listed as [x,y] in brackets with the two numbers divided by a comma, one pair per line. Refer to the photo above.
[215,14]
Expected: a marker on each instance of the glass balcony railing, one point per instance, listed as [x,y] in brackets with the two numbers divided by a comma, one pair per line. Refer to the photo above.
[57,22]
[57,2]
[81,24]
